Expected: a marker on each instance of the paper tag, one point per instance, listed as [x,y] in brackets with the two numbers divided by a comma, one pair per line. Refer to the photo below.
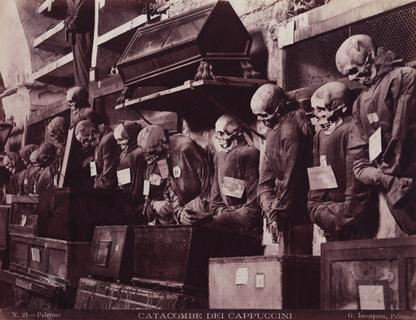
[155,179]
[371,297]
[322,160]
[146,187]
[176,172]
[93,169]
[374,145]
[123,176]
[322,178]
[23,220]
[233,187]
[241,276]
[163,168]
[101,3]
[35,254]
[259,280]
[372,117]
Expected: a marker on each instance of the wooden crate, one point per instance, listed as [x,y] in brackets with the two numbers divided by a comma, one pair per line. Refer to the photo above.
[112,253]
[264,282]
[369,274]
[94,294]
[24,215]
[56,261]
[21,291]
[176,257]
[72,215]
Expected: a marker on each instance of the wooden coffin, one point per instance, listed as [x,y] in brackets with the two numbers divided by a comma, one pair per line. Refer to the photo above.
[94,294]
[176,257]
[72,215]
[32,294]
[168,52]
[55,261]
[24,214]
[264,282]
[112,253]
[369,274]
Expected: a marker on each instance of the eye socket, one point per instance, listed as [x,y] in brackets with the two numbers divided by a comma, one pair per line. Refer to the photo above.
[352,71]
[262,115]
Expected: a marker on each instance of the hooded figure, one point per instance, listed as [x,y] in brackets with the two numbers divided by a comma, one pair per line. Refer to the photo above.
[44,178]
[106,153]
[177,172]
[131,159]
[234,190]
[347,211]
[384,125]
[79,32]
[283,182]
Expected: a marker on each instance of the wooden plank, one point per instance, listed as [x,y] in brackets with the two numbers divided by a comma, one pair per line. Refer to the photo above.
[325,20]
[53,67]
[64,166]
[59,108]
[49,34]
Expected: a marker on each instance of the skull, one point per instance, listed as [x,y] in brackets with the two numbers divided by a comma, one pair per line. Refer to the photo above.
[227,131]
[301,6]
[45,155]
[268,103]
[76,98]
[152,140]
[329,103]
[122,137]
[87,133]
[25,153]
[355,59]
[56,129]
[33,157]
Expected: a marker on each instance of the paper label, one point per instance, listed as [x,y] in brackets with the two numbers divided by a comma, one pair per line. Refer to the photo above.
[101,3]
[176,172]
[372,117]
[23,220]
[371,297]
[155,179]
[123,177]
[163,168]
[260,280]
[146,187]
[233,187]
[93,169]
[322,178]
[374,145]
[241,276]
[322,160]
[35,254]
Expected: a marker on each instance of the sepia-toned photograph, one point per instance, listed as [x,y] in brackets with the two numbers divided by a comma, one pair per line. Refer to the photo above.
[208,159]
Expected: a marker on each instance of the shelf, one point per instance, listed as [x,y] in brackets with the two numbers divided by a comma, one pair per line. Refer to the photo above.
[53,40]
[336,14]
[59,72]
[53,8]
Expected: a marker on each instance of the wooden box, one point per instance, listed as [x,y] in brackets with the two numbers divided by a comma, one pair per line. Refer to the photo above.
[369,274]
[264,282]
[55,261]
[4,236]
[32,294]
[177,257]
[94,294]
[24,214]
[112,253]
[72,215]
[169,52]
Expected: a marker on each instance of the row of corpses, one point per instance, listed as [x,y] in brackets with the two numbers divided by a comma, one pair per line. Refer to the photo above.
[329,177]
